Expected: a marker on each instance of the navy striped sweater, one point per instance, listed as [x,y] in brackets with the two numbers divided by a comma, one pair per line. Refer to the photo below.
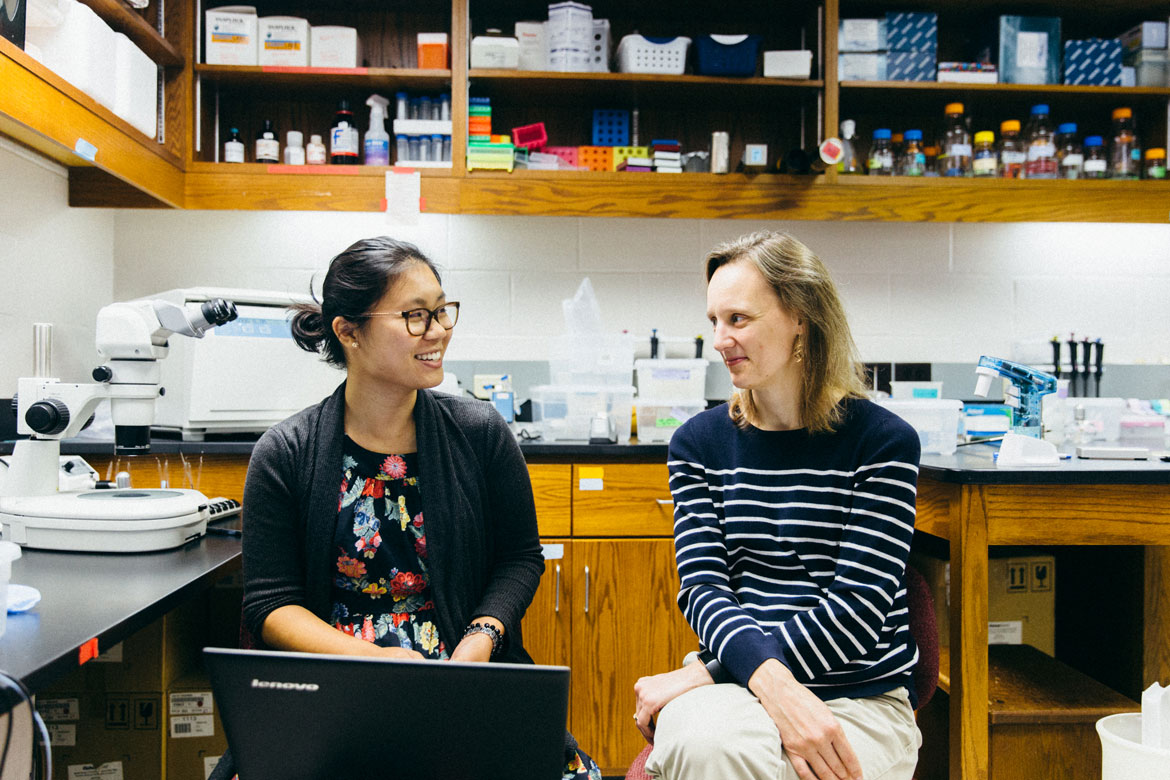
[794,547]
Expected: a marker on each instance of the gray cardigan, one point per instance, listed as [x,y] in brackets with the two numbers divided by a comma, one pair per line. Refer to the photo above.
[482,544]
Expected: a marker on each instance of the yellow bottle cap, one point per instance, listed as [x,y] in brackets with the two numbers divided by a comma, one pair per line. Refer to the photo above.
[954,108]
[1008,125]
[1122,113]
[985,137]
[1155,154]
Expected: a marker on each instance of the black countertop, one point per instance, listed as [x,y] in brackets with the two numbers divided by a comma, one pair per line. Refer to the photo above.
[107,596]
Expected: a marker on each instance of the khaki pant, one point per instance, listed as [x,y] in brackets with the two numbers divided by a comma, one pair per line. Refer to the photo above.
[723,732]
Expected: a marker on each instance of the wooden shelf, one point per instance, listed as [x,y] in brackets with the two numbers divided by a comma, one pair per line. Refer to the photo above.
[1039,89]
[121,18]
[324,77]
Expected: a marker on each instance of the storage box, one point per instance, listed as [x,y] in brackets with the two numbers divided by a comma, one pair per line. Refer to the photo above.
[230,35]
[493,51]
[331,46]
[533,45]
[671,379]
[861,67]
[135,86]
[78,46]
[795,64]
[564,412]
[569,34]
[726,55]
[1029,49]
[103,734]
[1147,35]
[602,46]
[937,421]
[1021,605]
[861,35]
[912,31]
[910,66]
[658,420]
[601,359]
[642,54]
[611,128]
[283,41]
[1094,61]
[595,158]
[194,734]
[622,153]
[432,51]
[1152,68]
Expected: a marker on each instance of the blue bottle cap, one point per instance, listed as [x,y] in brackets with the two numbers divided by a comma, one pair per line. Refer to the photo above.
[401,95]
[1094,140]
[912,135]
[881,134]
[1067,127]
[235,129]
[1040,108]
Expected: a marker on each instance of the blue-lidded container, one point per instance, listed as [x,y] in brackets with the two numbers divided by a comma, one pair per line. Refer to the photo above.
[726,55]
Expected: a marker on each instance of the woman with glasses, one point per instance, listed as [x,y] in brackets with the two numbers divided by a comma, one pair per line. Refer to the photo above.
[794,512]
[389,520]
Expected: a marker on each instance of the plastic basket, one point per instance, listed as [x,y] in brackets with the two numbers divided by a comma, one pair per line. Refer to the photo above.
[726,55]
[566,153]
[611,128]
[640,54]
[595,158]
[530,136]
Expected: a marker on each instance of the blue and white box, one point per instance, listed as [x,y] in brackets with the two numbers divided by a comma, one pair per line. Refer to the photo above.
[861,66]
[861,35]
[912,31]
[911,65]
[1093,61]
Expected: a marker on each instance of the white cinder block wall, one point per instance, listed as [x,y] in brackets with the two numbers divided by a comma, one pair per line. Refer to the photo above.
[914,292]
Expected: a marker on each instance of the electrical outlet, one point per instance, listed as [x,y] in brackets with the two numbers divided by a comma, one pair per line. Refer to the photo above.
[481,387]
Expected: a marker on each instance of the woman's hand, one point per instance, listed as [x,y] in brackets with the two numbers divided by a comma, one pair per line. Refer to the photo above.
[474,647]
[656,691]
[809,732]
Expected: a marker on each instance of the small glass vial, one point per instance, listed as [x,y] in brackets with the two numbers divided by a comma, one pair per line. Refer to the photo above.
[931,153]
[913,158]
[233,147]
[881,156]
[315,151]
[267,144]
[1011,150]
[1070,159]
[1155,167]
[401,148]
[983,156]
[1096,160]
[294,150]
[401,105]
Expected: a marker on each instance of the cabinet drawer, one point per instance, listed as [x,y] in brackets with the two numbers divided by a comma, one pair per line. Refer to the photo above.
[551,484]
[624,499]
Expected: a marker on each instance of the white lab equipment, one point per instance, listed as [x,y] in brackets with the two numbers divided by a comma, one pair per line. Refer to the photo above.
[243,377]
[132,337]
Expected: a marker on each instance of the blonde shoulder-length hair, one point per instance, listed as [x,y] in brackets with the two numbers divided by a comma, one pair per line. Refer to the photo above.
[831,369]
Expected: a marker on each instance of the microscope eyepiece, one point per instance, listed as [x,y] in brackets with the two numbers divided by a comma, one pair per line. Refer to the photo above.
[217,311]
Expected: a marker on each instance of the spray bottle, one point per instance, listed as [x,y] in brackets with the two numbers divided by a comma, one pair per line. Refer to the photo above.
[377,141]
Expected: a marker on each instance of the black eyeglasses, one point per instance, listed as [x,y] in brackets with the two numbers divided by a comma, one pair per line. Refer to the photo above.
[418,321]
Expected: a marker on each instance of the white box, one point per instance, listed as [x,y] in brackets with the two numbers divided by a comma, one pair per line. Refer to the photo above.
[283,41]
[492,51]
[937,421]
[787,64]
[331,46]
[861,67]
[861,35]
[604,359]
[229,35]
[658,420]
[564,412]
[671,379]
[602,45]
[533,40]
[76,45]
[569,35]
[135,86]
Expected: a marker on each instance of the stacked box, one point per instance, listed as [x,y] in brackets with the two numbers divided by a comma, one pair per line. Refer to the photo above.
[861,66]
[595,158]
[912,31]
[861,35]
[1094,61]
[1147,35]
[911,66]
[620,153]
[479,122]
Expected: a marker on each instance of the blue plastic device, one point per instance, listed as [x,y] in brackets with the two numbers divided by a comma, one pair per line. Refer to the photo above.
[1028,387]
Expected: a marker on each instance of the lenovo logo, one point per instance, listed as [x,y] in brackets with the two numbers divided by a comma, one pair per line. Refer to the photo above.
[285,686]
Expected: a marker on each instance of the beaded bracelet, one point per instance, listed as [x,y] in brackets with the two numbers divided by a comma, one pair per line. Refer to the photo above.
[493,632]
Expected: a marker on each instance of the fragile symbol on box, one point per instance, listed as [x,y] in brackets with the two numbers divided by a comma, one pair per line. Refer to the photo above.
[146,714]
[1041,576]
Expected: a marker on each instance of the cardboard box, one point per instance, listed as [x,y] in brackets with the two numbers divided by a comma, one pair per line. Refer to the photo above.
[283,41]
[195,739]
[912,31]
[1022,602]
[1147,35]
[331,46]
[1094,61]
[910,66]
[861,35]
[98,734]
[1029,49]
[855,66]
[230,35]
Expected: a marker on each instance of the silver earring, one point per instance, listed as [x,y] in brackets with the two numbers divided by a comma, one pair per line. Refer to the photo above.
[355,345]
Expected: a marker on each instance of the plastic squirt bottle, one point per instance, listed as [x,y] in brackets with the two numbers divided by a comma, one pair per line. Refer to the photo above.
[983,162]
[1069,157]
[1125,156]
[913,157]
[1041,162]
[881,156]
[343,137]
[1011,150]
[233,148]
[377,140]
[956,159]
[849,162]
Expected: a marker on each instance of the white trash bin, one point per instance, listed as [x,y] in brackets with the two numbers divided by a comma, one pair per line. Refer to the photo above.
[1123,756]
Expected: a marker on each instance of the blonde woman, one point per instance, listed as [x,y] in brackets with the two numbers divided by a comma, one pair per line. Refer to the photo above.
[794,512]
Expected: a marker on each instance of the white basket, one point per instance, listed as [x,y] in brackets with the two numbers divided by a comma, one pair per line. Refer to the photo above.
[636,54]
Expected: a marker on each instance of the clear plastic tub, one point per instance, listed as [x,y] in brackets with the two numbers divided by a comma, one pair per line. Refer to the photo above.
[658,420]
[937,421]
[606,359]
[671,378]
[1143,431]
[563,412]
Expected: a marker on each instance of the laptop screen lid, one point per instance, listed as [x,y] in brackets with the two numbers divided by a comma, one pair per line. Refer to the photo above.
[302,715]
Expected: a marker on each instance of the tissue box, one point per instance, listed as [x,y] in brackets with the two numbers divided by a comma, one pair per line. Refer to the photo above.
[282,41]
[333,47]
[230,35]
[1029,49]
[861,67]
[861,35]
[910,66]
[1147,35]
[1094,61]
[912,31]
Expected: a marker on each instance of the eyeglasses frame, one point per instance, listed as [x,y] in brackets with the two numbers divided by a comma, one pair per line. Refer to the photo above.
[432,316]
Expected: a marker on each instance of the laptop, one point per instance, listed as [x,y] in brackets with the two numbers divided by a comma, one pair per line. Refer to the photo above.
[321,717]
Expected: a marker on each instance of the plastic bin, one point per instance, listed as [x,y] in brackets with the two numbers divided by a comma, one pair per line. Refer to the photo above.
[606,359]
[642,54]
[566,153]
[611,128]
[1123,756]
[530,136]
[671,378]
[937,421]
[726,55]
[658,420]
[76,45]
[9,552]
[563,412]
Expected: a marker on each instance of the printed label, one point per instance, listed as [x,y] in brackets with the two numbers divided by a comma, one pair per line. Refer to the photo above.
[984,165]
[233,152]
[193,703]
[1031,50]
[1095,166]
[267,150]
[959,150]
[343,140]
[1041,151]
[192,726]
[1073,161]
[209,764]
[1013,158]
[62,734]
[1005,632]
[108,771]
[552,552]
[55,710]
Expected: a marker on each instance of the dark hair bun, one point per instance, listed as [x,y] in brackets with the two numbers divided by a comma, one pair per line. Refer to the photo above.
[308,327]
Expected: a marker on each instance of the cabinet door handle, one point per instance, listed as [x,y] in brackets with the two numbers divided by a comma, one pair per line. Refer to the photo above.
[557,602]
[664,501]
[586,590]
